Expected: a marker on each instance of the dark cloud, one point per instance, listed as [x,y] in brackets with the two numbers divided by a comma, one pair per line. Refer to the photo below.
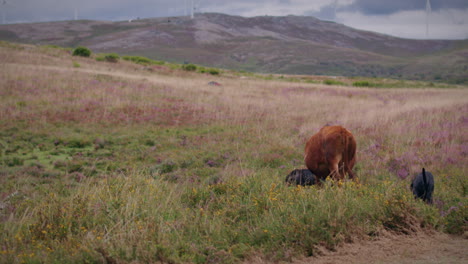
[46,10]
[442,4]
[376,7]
[327,12]
[50,10]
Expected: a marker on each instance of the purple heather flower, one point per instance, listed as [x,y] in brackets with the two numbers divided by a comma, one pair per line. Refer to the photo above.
[402,173]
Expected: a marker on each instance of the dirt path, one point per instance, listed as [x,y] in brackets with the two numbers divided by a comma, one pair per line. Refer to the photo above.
[411,249]
[421,248]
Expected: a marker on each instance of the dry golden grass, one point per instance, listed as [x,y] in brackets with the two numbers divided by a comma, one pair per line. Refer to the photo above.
[282,111]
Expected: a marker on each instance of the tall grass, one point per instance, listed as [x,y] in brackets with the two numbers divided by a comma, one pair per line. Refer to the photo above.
[137,217]
[127,165]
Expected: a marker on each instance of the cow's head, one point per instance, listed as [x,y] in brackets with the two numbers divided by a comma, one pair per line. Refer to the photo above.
[301,177]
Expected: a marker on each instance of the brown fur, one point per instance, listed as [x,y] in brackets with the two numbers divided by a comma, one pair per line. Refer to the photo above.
[331,152]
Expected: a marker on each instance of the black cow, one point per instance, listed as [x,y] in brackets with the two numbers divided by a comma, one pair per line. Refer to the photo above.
[423,186]
[301,177]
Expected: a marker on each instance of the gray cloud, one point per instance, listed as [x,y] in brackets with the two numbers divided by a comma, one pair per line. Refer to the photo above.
[373,7]
[376,15]
[443,24]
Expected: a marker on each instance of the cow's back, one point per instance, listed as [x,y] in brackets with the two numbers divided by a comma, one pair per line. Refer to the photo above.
[332,144]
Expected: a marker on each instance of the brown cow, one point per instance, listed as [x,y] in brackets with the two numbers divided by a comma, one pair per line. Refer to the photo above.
[331,152]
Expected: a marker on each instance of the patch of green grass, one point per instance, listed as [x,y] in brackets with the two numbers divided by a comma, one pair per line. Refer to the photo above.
[211,71]
[7,44]
[111,57]
[333,82]
[363,84]
[142,60]
[189,67]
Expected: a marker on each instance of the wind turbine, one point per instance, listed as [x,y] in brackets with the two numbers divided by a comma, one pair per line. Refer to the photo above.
[191,10]
[75,10]
[194,5]
[335,5]
[4,7]
[428,11]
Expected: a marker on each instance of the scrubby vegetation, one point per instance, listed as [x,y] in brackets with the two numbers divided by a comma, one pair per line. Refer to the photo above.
[363,84]
[142,60]
[111,57]
[125,165]
[333,82]
[189,67]
[82,51]
[211,71]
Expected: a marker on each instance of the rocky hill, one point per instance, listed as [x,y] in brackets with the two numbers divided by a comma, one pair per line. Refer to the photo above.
[289,44]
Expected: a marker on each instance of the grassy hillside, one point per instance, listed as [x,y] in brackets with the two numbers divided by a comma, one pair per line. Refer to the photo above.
[124,163]
[265,44]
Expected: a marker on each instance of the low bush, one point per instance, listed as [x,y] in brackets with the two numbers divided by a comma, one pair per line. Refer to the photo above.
[112,57]
[142,60]
[362,84]
[213,71]
[137,59]
[82,51]
[189,67]
[333,82]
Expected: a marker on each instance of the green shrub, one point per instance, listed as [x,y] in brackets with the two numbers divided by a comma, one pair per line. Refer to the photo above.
[112,57]
[189,67]
[362,84]
[137,59]
[142,60]
[82,51]
[333,82]
[213,71]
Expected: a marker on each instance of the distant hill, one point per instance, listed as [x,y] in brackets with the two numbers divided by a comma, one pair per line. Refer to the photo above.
[289,44]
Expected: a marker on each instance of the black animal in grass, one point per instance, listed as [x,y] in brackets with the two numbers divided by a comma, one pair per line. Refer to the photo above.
[301,177]
[423,186]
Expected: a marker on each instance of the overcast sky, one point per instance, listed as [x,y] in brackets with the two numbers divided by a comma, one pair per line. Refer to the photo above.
[448,19]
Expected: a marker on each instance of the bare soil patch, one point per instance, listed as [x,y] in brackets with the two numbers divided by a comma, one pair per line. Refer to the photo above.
[395,249]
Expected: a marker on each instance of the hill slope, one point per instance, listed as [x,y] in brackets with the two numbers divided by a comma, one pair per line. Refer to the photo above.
[291,44]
